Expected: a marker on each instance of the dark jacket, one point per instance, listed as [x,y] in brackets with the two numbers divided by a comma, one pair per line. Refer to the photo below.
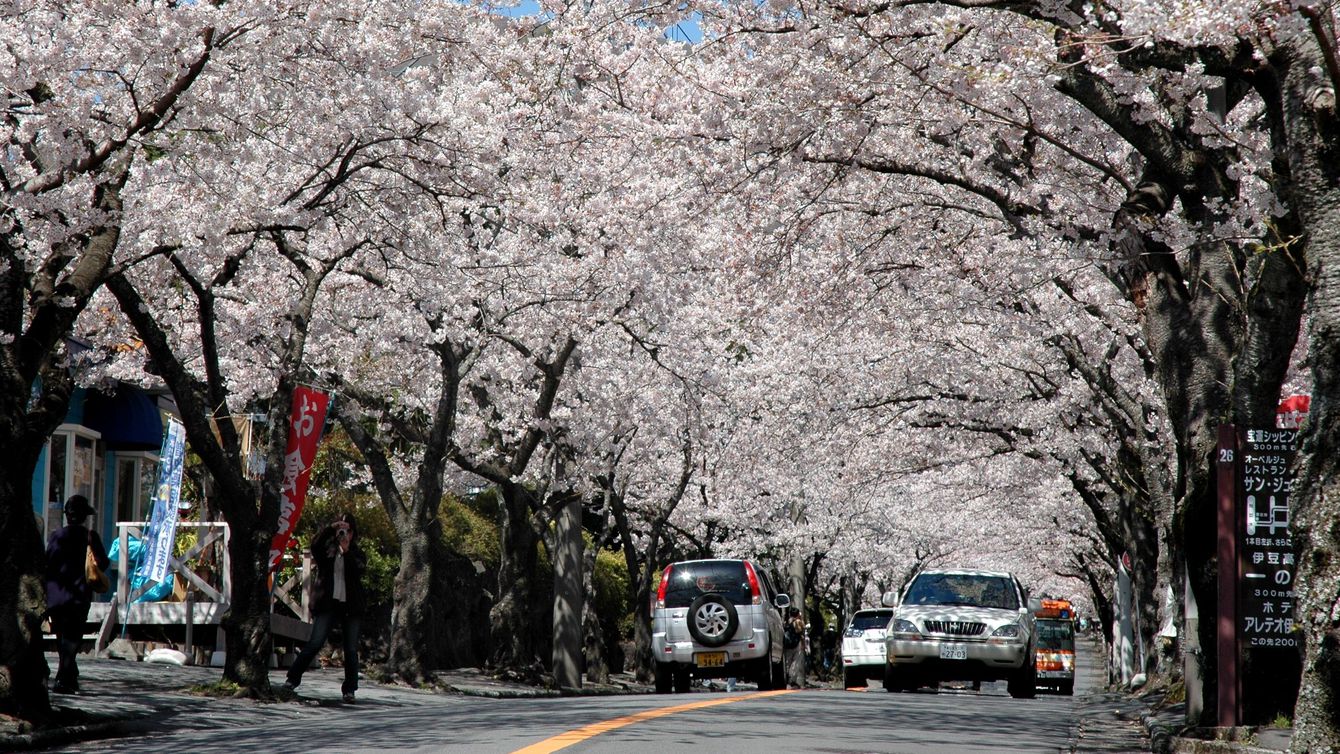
[324,548]
[64,574]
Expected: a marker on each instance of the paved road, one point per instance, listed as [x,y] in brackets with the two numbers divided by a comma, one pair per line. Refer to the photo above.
[390,719]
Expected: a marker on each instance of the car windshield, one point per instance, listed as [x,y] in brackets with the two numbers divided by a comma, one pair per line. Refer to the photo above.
[962,589]
[724,577]
[1055,634]
[874,619]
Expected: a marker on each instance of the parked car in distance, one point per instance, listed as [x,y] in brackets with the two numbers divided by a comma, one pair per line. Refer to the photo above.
[863,646]
[1055,651]
[717,619]
[964,625]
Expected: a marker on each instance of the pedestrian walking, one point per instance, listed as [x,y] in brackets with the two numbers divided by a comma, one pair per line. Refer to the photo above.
[338,596]
[68,591]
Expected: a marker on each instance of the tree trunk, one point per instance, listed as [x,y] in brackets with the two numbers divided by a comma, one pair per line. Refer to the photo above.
[796,660]
[640,588]
[247,622]
[1316,533]
[1194,329]
[1146,586]
[421,605]
[23,667]
[566,655]
[28,417]
[593,633]
[509,620]
[24,430]
[420,638]
[641,572]
[1314,138]
[39,304]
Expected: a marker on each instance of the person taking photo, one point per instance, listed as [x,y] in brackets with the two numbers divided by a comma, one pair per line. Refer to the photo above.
[338,596]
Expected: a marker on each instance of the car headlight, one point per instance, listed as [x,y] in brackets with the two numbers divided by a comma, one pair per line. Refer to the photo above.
[1010,631]
[903,629]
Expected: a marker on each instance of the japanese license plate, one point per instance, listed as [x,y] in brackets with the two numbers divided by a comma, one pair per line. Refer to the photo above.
[710,659]
[953,652]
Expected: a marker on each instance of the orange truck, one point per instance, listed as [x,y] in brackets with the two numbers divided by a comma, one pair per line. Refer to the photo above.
[1055,652]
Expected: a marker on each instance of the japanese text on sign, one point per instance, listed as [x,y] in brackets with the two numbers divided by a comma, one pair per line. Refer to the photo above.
[1266,559]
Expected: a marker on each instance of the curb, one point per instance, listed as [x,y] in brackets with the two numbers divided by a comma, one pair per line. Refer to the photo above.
[44,739]
[1162,738]
[1197,746]
[540,693]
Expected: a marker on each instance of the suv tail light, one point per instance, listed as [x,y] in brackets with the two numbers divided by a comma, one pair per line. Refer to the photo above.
[660,591]
[753,583]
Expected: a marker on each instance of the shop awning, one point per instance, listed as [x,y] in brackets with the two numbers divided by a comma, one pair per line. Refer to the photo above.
[128,419]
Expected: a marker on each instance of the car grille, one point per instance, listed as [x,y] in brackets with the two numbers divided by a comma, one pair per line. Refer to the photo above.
[955,627]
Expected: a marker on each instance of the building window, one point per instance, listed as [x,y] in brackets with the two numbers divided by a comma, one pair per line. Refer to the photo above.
[135,478]
[57,453]
[74,466]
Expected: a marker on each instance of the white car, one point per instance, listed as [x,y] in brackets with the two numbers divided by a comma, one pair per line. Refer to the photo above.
[962,625]
[863,646]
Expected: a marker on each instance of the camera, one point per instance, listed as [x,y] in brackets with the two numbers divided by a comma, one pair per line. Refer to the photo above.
[342,534]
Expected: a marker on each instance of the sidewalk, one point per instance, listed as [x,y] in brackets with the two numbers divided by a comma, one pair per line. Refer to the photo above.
[1168,735]
[1165,725]
[1123,722]
[125,697]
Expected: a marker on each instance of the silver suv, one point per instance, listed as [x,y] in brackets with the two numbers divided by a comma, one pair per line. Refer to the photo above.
[961,625]
[717,619]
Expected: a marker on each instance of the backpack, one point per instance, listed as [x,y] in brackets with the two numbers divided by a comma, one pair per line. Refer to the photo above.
[790,637]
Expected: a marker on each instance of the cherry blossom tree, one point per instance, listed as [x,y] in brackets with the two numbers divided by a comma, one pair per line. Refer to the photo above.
[829,288]
[308,170]
[80,104]
[1189,139]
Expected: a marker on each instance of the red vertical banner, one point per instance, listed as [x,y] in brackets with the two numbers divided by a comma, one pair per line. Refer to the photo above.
[1292,411]
[305,423]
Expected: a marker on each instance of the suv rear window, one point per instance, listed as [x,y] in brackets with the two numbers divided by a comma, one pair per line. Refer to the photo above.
[724,577]
[963,589]
[873,619]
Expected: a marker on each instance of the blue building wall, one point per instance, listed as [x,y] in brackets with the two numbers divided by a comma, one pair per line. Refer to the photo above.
[128,423]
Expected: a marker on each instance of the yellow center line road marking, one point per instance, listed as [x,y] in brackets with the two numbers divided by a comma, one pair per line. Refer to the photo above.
[577,735]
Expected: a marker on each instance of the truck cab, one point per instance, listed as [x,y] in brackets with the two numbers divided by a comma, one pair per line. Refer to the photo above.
[1055,650]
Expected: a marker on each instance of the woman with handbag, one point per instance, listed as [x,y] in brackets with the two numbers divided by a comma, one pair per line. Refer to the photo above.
[68,590]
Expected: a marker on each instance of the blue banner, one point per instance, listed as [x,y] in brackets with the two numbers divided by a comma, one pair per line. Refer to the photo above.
[162,533]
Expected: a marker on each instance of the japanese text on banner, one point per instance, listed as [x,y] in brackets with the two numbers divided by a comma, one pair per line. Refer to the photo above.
[305,423]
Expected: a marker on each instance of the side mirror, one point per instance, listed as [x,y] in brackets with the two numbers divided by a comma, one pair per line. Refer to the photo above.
[782,601]
[1034,605]
[890,599]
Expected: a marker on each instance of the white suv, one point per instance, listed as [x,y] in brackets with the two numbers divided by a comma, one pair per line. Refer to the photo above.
[717,619]
[961,625]
[863,646]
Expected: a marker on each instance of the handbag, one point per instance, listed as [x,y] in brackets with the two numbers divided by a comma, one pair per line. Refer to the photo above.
[95,576]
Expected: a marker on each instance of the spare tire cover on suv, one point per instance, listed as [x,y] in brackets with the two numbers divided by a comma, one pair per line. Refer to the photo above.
[712,620]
